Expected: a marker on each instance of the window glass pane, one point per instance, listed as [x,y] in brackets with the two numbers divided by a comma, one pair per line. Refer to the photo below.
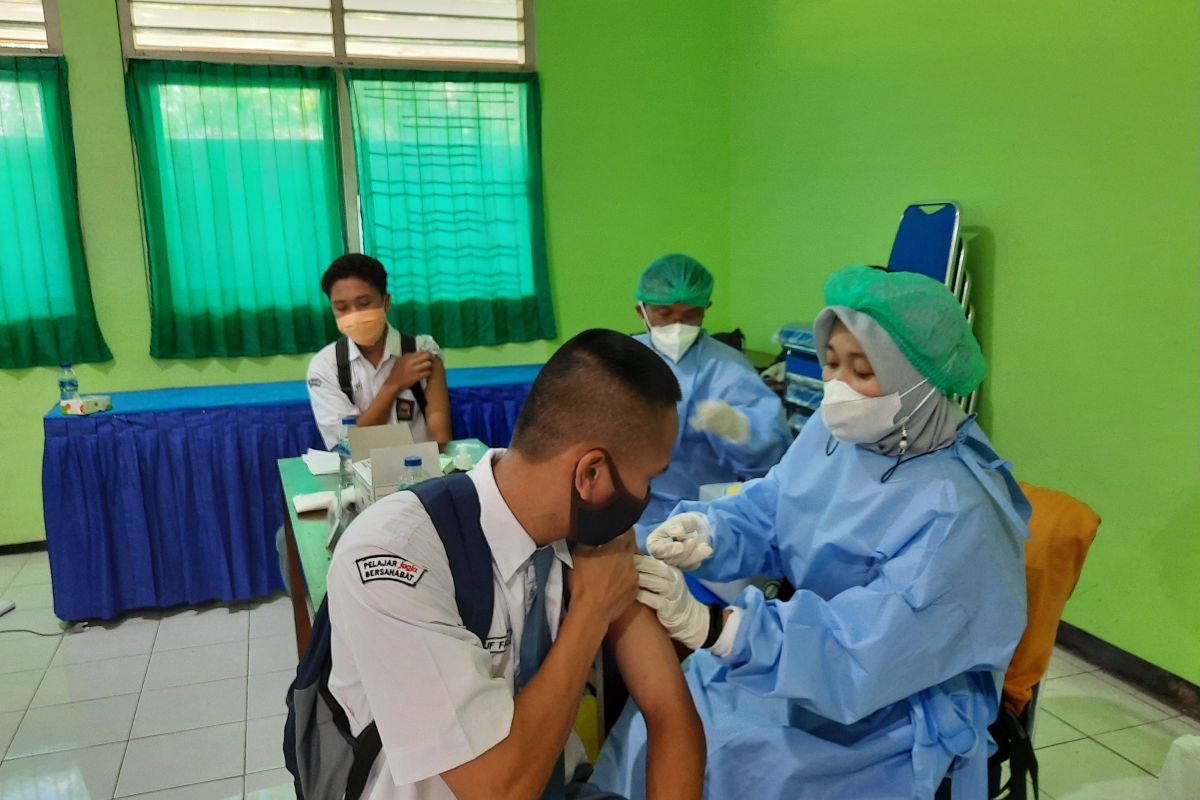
[261,26]
[22,24]
[438,51]
[155,15]
[205,41]
[458,8]
[403,26]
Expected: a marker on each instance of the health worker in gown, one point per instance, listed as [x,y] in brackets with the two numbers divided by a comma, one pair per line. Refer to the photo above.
[731,426]
[902,532]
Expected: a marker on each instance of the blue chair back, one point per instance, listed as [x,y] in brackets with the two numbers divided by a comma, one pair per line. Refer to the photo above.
[927,241]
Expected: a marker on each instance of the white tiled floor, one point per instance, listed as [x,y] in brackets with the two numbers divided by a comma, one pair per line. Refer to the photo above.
[189,706]
[184,705]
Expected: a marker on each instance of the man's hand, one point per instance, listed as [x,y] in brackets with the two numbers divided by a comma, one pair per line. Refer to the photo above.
[409,369]
[682,541]
[603,580]
[663,588]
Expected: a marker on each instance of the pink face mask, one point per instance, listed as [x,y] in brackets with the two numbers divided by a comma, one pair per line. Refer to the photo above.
[363,327]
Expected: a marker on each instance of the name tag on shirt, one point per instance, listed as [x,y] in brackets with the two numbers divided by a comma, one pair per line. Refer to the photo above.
[389,568]
[498,644]
[404,410]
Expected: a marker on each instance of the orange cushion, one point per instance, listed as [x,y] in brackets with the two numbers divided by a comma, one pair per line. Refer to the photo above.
[1060,532]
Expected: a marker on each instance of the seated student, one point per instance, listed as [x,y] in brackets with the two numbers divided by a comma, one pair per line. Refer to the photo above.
[376,373]
[731,426]
[464,718]
[902,532]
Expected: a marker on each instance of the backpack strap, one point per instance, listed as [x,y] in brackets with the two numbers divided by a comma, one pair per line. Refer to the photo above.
[341,352]
[366,750]
[453,505]
[408,344]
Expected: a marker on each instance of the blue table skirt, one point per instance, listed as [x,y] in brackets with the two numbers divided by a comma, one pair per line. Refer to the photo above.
[173,496]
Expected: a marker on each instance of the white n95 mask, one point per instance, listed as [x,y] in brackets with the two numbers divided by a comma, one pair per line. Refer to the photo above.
[674,340]
[855,418]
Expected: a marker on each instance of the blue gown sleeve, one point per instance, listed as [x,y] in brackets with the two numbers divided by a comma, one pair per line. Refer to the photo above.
[743,528]
[951,600]
[737,383]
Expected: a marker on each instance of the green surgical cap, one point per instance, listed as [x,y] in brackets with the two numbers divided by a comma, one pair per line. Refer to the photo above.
[675,278]
[922,317]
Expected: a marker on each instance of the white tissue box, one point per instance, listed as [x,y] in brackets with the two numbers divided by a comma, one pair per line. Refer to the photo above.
[86,404]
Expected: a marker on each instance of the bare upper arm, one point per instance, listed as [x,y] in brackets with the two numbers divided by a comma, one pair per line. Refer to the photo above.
[648,663]
[437,409]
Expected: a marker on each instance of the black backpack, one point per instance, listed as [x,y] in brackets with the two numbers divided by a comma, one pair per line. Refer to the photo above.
[325,759]
[341,351]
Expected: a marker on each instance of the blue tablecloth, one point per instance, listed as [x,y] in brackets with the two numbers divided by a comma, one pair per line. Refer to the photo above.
[173,495]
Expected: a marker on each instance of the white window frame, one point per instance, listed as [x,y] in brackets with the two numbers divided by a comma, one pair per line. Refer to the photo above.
[53,35]
[339,59]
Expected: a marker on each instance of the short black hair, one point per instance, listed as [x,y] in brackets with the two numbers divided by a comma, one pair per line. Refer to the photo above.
[600,386]
[355,265]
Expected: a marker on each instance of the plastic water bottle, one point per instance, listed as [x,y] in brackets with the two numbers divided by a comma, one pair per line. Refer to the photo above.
[412,474]
[345,468]
[68,384]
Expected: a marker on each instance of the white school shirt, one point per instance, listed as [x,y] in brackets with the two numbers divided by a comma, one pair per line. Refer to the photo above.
[330,405]
[401,655]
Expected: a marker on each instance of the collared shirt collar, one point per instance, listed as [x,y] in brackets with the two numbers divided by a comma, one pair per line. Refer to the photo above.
[511,545]
[391,347]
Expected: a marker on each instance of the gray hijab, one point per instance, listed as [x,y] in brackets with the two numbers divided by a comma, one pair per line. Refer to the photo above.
[933,420]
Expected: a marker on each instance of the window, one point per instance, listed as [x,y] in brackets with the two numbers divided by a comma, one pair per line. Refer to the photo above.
[29,26]
[460,230]
[440,32]
[450,186]
[46,311]
[239,177]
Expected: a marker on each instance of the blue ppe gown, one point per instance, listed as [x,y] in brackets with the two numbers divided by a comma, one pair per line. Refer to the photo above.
[710,370]
[883,671]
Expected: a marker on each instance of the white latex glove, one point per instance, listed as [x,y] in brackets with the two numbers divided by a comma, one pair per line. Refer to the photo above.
[682,541]
[663,588]
[721,419]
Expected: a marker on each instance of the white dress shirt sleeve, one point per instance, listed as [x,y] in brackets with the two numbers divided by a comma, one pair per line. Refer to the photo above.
[329,404]
[426,344]
[428,681]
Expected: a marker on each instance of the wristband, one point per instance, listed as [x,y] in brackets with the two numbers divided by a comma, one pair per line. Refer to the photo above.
[716,621]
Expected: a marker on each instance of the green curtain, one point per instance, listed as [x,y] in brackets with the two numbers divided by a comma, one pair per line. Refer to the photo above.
[450,182]
[241,192]
[46,311]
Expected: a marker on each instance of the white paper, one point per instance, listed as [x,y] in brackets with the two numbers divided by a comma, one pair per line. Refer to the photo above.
[314,501]
[317,501]
[321,462]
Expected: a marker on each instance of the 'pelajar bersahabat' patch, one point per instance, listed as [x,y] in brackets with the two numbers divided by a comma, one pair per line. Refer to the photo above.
[389,568]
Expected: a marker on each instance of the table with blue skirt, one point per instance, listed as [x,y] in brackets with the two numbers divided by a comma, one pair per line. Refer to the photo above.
[173,496]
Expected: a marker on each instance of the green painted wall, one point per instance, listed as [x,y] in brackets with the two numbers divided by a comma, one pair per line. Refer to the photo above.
[635,145]
[782,141]
[1068,132]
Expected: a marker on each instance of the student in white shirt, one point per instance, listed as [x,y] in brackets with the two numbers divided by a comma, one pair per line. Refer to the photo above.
[387,385]
[598,425]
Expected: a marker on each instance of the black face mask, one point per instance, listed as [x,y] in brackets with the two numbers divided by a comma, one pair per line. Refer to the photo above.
[595,524]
